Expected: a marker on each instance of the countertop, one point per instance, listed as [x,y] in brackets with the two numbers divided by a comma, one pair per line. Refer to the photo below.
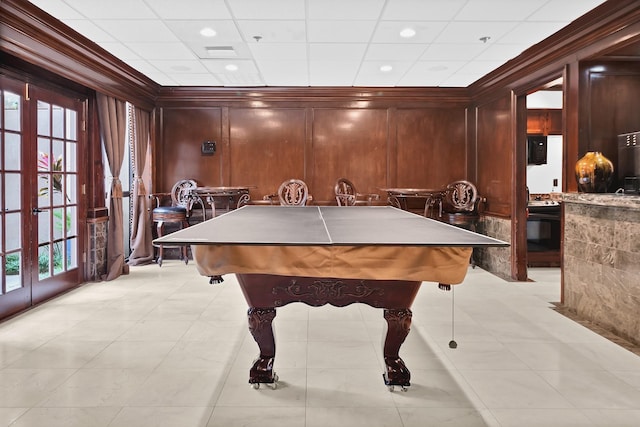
[603,199]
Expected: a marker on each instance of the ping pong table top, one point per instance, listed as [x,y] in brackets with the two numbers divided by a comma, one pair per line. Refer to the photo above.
[326,225]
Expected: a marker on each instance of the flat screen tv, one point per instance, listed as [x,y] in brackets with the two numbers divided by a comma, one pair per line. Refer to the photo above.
[536,150]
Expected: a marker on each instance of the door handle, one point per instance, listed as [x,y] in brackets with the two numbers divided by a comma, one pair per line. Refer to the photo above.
[36,211]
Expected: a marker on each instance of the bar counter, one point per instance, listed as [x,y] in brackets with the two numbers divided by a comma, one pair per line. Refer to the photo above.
[601,260]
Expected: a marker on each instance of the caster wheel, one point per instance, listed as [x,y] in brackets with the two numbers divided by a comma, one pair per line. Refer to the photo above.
[391,388]
[404,389]
[255,386]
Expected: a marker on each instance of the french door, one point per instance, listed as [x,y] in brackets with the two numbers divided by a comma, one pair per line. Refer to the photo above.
[41,140]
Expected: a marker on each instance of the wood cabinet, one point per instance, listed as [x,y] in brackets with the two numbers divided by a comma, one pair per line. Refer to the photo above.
[544,121]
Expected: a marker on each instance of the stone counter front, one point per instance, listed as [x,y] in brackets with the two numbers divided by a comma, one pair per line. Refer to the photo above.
[601,260]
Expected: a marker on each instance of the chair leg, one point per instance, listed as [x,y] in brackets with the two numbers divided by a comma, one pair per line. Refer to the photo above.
[185,248]
[160,230]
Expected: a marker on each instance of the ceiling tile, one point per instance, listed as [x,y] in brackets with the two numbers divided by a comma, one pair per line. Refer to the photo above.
[274,31]
[112,9]
[394,52]
[203,79]
[161,50]
[179,66]
[434,72]
[498,10]
[189,31]
[137,30]
[190,9]
[119,50]
[218,66]
[284,73]
[272,9]
[469,32]
[90,30]
[274,51]
[564,10]
[426,10]
[444,52]
[58,9]
[370,74]
[389,31]
[530,33]
[333,73]
[337,51]
[341,9]
[502,52]
[340,31]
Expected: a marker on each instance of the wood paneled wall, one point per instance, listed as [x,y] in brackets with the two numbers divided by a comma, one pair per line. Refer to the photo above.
[495,154]
[376,146]
[611,93]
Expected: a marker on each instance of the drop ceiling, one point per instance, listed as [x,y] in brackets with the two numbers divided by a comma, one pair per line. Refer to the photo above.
[316,42]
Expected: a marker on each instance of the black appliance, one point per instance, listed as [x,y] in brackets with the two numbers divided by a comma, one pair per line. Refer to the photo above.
[544,219]
[536,150]
[629,162]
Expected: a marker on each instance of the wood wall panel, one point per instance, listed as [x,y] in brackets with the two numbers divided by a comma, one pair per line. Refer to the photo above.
[610,92]
[495,155]
[267,147]
[431,147]
[350,143]
[183,131]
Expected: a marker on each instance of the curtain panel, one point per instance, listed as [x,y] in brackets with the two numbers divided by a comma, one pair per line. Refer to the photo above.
[112,114]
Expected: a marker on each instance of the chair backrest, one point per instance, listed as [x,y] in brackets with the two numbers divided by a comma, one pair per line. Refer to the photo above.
[293,192]
[345,191]
[461,196]
[179,194]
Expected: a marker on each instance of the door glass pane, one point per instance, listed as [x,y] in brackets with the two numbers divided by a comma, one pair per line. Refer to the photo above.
[13,271]
[13,191]
[44,119]
[72,125]
[58,223]
[44,229]
[44,261]
[12,147]
[58,256]
[58,121]
[43,190]
[70,159]
[13,227]
[71,195]
[72,253]
[71,225]
[11,111]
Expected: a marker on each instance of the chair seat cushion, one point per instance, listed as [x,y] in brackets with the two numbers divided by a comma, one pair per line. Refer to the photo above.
[170,210]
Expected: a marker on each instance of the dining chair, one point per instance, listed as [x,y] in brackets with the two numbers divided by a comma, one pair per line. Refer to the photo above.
[347,195]
[293,192]
[173,208]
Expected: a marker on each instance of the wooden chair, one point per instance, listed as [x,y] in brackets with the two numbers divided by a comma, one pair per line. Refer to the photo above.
[347,195]
[177,212]
[293,192]
[462,204]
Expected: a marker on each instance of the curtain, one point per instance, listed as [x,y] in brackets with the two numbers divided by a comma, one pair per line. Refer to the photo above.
[112,115]
[141,248]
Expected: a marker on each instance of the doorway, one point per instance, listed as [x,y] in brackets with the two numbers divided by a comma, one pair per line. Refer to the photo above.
[41,242]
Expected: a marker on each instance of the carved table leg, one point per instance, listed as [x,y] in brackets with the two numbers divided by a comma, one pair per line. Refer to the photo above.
[260,326]
[398,326]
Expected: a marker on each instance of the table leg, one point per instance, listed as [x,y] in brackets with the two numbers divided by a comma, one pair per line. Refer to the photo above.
[398,326]
[260,326]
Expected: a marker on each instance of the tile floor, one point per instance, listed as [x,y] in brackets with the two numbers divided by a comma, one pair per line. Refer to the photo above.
[162,347]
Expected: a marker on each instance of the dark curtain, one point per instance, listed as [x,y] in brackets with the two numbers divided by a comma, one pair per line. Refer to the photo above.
[112,115]
[141,248]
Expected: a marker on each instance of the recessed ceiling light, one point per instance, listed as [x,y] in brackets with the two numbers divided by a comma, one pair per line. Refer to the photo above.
[208,32]
[407,33]
[231,67]
[386,68]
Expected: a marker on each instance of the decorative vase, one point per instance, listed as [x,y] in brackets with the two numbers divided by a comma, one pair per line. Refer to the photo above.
[594,173]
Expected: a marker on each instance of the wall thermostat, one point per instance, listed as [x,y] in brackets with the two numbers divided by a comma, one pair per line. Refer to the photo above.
[208,148]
